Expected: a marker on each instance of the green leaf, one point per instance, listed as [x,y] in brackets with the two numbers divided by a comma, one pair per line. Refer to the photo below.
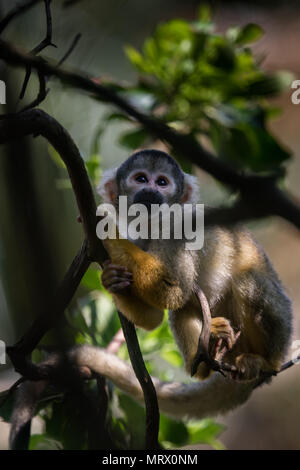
[66,422]
[91,279]
[56,157]
[205,431]
[96,141]
[134,421]
[173,431]
[133,139]
[250,33]
[135,58]
[117,117]
[77,321]
[263,153]
[224,57]
[268,85]
[44,442]
[93,167]
[172,356]
[204,12]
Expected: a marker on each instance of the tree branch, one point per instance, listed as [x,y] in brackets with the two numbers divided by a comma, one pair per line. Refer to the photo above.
[16,11]
[140,370]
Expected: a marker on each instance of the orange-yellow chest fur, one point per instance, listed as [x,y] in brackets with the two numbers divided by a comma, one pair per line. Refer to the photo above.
[152,282]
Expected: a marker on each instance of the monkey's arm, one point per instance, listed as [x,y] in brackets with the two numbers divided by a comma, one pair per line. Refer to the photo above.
[153,288]
[117,280]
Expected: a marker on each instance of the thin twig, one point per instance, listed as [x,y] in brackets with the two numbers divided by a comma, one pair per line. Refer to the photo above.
[70,50]
[16,11]
[47,41]
[43,92]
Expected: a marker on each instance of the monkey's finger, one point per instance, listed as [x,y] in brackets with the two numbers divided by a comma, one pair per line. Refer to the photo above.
[115,279]
[111,269]
[111,274]
[118,286]
[216,347]
[114,267]
[231,340]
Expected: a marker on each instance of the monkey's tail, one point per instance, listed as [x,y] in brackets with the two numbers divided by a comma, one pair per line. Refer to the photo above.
[213,396]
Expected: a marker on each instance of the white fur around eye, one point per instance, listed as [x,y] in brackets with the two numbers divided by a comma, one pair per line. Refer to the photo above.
[108,177]
[191,188]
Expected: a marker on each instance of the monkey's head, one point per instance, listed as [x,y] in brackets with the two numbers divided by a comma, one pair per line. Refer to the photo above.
[149,177]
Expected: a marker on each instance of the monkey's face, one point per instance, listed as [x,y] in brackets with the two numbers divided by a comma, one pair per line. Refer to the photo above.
[149,187]
[148,177]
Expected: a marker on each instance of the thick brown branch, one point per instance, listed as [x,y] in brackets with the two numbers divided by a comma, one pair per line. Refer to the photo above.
[37,122]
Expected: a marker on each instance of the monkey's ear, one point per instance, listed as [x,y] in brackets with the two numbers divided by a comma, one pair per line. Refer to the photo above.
[190,190]
[107,187]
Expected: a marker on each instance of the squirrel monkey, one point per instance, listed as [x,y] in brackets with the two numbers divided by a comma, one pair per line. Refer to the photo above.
[251,315]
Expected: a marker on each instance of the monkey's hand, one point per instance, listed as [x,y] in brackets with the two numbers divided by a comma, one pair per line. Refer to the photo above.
[115,278]
[222,338]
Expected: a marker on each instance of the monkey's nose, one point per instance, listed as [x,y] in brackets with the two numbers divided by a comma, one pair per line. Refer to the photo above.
[148,197]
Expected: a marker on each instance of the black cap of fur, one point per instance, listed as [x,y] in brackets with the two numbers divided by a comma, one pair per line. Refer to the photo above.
[154,160]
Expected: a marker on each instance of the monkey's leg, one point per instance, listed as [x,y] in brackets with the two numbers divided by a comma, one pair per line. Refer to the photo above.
[186,325]
[217,337]
[266,323]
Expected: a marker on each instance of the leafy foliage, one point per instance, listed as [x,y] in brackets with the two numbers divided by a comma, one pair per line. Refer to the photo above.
[208,84]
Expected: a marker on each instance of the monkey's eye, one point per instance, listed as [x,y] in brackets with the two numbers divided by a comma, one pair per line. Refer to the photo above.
[141,178]
[162,181]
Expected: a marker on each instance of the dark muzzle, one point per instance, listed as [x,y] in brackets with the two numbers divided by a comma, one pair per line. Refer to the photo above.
[148,197]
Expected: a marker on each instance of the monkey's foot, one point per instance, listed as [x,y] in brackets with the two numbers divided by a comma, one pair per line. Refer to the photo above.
[249,367]
[222,338]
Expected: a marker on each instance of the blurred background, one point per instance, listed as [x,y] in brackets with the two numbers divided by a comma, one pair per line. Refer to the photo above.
[38,231]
